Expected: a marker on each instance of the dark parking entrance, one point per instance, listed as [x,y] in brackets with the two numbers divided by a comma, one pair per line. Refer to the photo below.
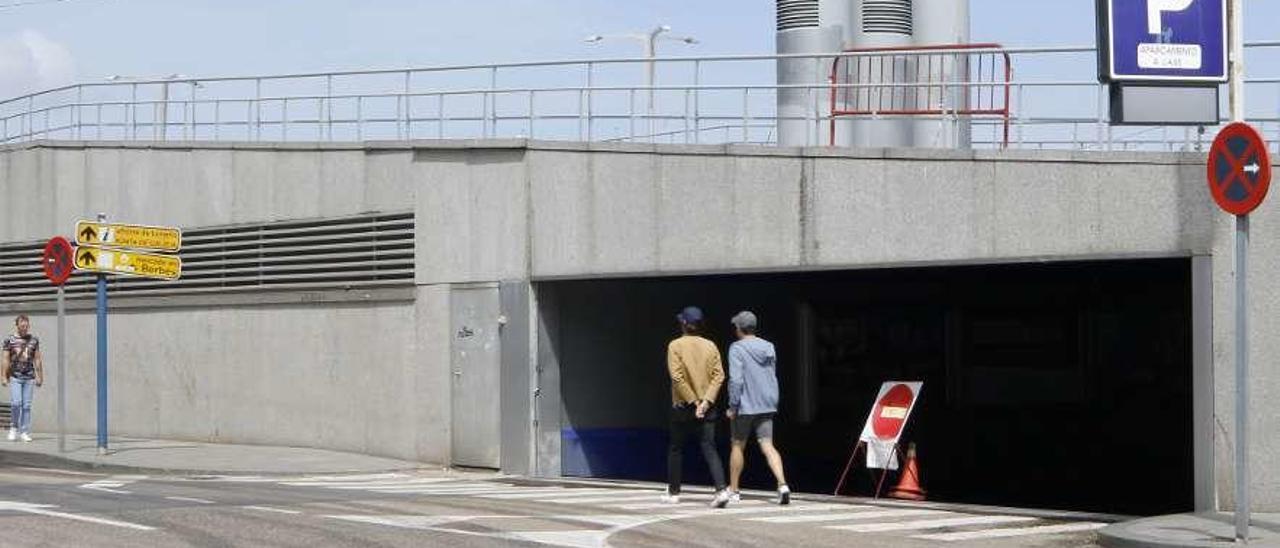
[1062,385]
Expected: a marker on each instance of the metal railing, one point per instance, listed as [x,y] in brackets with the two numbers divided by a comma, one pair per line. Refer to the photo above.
[944,81]
[1055,102]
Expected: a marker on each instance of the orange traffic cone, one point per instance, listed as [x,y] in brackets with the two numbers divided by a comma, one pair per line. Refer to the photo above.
[909,481]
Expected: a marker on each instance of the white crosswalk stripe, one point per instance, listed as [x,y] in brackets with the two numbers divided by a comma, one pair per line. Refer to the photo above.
[1013,532]
[533,493]
[426,490]
[600,499]
[846,516]
[930,523]
[407,485]
[44,510]
[356,477]
[370,483]
[762,508]
[641,505]
[683,504]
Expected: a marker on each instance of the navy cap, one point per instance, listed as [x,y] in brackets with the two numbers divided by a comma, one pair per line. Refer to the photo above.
[690,314]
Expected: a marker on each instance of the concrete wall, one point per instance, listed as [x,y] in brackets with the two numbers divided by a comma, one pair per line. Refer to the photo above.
[512,210]
[339,376]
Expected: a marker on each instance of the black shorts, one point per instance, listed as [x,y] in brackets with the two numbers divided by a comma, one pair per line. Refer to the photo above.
[745,425]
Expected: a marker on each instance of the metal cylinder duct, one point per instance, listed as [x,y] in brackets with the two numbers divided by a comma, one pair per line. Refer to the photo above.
[801,111]
[942,22]
[838,14]
[880,24]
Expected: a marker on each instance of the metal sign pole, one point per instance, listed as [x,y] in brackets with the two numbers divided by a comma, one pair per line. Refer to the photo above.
[62,370]
[102,357]
[1236,33]
[1242,380]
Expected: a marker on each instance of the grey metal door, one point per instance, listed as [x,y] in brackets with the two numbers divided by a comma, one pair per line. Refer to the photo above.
[476,363]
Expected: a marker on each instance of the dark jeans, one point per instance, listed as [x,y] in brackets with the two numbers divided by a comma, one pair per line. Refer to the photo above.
[683,424]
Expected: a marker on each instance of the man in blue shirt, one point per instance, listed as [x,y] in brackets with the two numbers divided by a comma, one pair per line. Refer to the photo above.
[753,400]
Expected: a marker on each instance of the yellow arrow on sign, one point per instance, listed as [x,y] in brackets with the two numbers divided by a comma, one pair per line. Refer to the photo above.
[129,263]
[159,238]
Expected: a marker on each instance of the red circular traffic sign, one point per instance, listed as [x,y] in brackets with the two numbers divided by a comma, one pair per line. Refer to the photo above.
[890,412]
[1239,169]
[57,260]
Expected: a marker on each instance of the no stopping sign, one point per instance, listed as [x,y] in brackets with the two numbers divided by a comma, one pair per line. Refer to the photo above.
[57,260]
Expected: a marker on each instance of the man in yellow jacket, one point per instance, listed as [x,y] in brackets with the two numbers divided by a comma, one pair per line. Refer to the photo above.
[696,376]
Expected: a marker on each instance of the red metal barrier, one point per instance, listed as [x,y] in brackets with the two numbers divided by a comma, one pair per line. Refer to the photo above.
[918,80]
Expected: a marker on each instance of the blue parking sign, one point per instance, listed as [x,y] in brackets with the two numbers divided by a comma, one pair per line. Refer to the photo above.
[1162,40]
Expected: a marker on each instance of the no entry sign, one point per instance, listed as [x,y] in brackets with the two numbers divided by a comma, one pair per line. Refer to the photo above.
[889,415]
[1239,171]
[57,260]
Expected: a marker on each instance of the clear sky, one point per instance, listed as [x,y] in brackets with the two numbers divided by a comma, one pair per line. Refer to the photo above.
[45,43]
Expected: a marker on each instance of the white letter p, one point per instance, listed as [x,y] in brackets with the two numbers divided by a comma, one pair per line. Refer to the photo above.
[1156,9]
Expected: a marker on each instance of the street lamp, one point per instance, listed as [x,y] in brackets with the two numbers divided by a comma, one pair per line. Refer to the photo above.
[162,110]
[650,41]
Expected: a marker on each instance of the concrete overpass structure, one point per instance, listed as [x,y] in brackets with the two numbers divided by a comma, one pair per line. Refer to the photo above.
[543,276]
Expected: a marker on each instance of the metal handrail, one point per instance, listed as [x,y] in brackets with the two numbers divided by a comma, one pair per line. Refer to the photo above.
[339,105]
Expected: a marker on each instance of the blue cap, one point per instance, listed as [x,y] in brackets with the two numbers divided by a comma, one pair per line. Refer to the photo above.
[690,314]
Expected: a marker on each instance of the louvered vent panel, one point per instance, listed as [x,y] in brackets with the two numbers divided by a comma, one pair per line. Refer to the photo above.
[353,252]
[796,14]
[887,16]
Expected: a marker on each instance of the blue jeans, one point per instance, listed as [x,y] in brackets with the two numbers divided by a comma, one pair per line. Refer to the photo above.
[20,393]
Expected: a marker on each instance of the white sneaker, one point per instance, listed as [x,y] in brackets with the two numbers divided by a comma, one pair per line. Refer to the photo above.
[735,497]
[668,498]
[13,434]
[784,495]
[26,437]
[721,500]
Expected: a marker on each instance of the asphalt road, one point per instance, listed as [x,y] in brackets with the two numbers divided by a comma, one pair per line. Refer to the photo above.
[59,507]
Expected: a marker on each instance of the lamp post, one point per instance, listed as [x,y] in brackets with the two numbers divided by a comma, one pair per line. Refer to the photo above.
[650,41]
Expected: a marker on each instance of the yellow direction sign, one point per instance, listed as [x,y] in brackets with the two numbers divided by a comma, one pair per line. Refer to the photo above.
[130,263]
[159,238]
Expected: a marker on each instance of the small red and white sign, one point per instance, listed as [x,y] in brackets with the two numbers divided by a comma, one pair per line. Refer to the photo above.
[889,415]
[1239,169]
[57,260]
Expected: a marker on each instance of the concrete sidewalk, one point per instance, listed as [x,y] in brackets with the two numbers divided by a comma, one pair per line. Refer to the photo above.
[1190,530]
[185,457]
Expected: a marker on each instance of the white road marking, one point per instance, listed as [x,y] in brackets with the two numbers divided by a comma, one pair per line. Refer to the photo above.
[930,523]
[113,483]
[599,499]
[357,477]
[410,521]
[683,504]
[583,538]
[462,492]
[764,508]
[1013,532]
[842,516]
[42,510]
[190,499]
[435,486]
[270,509]
[577,538]
[556,491]
[620,520]
[233,479]
[369,483]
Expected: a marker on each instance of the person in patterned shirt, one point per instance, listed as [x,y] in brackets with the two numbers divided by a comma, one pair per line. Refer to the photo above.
[22,369]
